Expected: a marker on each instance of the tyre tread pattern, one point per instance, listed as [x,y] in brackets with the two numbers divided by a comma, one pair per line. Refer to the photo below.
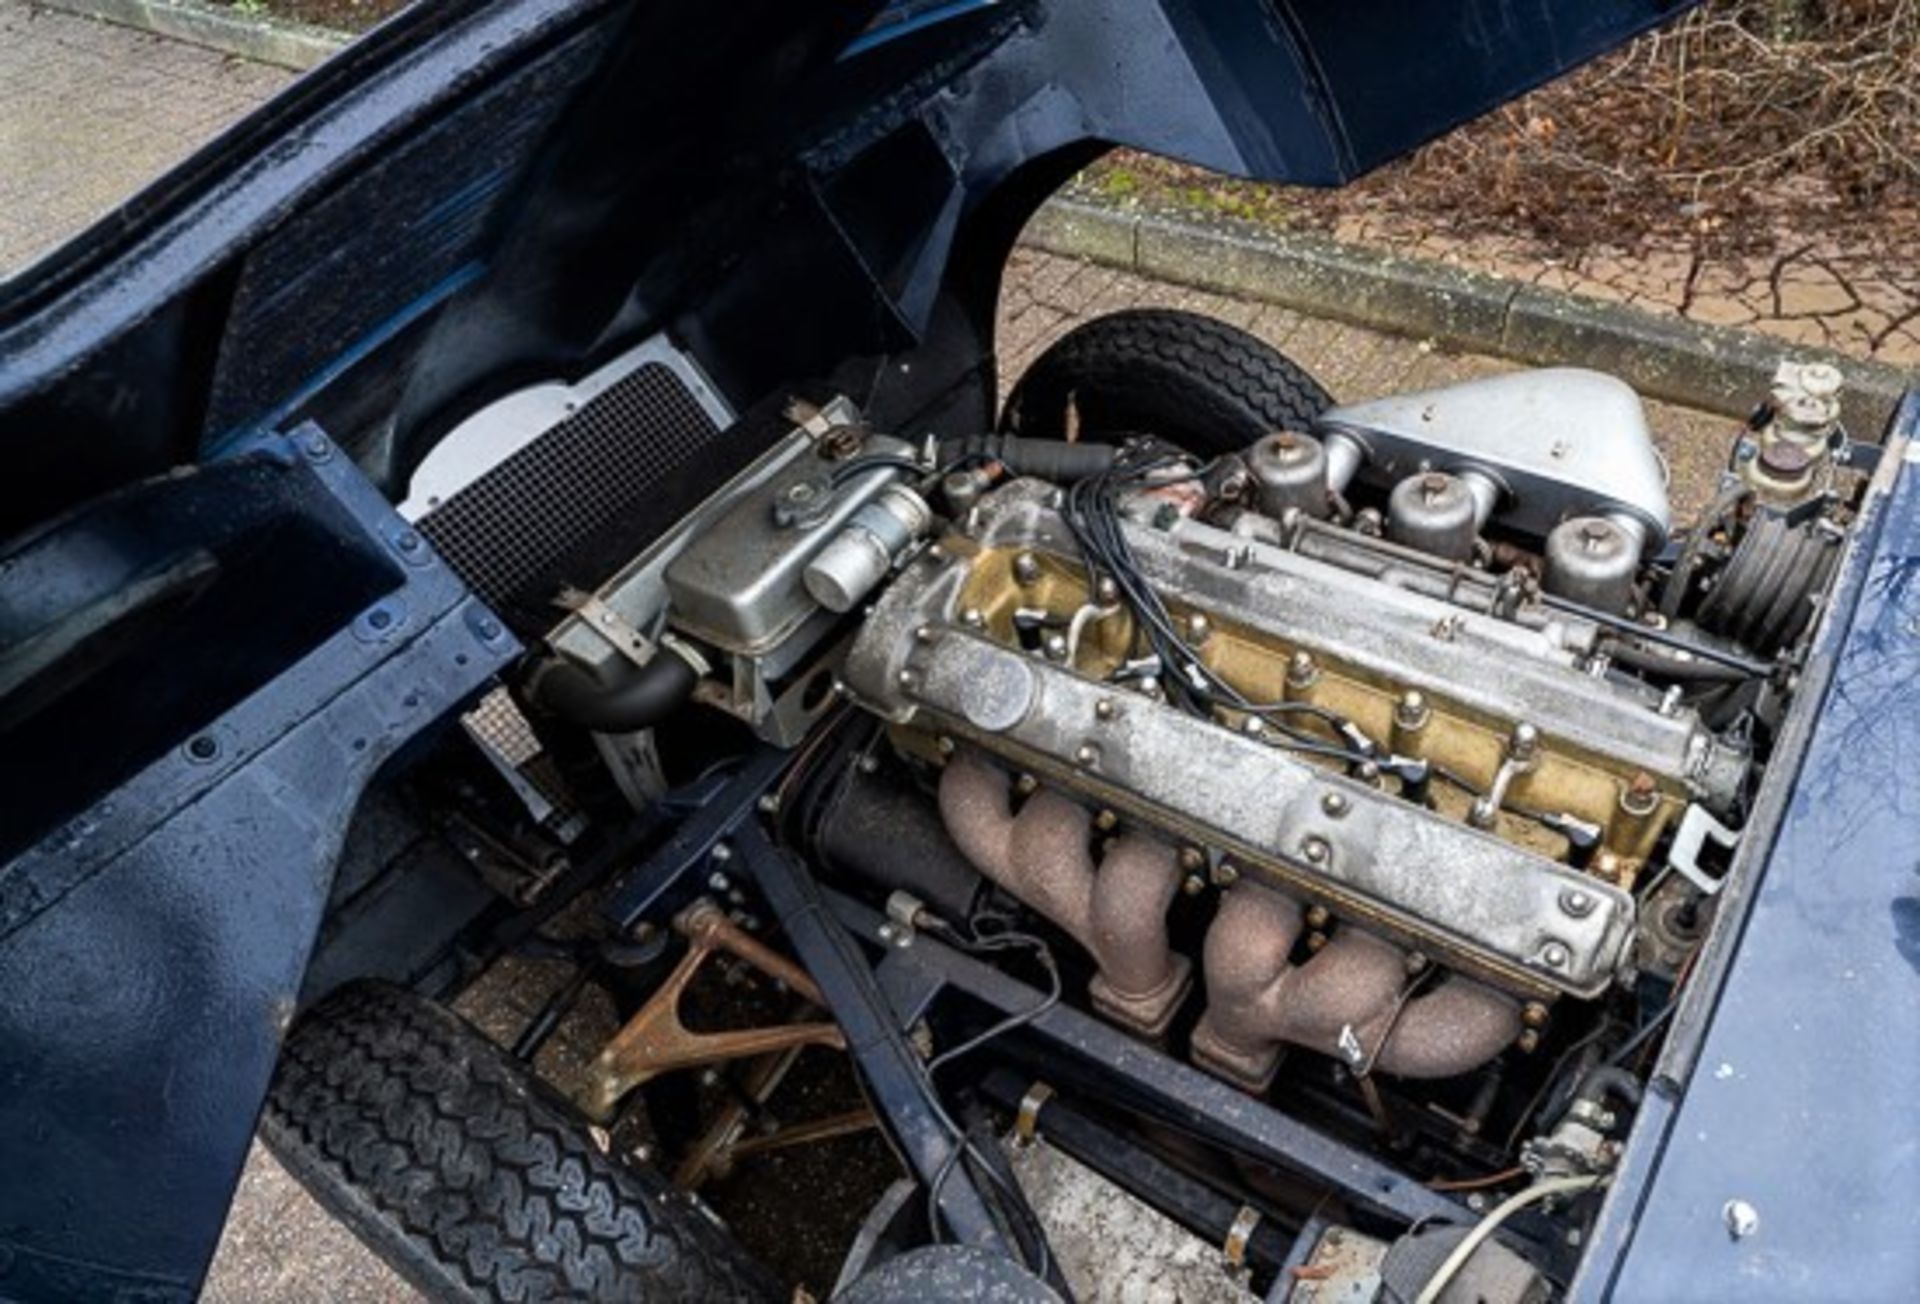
[1194,380]
[470,1176]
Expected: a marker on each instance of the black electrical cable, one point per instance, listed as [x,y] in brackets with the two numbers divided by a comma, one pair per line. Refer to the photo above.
[1009,939]
[875,462]
[1641,1037]
[1011,1202]
[1092,514]
[543,1024]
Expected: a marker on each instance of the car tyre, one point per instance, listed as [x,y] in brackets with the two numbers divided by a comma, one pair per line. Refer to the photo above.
[1191,380]
[475,1180]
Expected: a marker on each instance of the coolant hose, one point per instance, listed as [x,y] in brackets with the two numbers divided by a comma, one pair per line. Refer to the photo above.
[618,696]
[1049,459]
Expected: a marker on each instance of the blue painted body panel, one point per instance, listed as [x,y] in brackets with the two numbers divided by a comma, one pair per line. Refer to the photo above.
[1801,1099]
[152,946]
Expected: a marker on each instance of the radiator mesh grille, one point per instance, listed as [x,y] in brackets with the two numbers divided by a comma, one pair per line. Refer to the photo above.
[510,528]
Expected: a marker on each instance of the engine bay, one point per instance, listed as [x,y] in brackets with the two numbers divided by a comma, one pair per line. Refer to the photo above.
[1385,770]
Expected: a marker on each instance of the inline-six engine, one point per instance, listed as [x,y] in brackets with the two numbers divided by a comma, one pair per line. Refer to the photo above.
[1409,683]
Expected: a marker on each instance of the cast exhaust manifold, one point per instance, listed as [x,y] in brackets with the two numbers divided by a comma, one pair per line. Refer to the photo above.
[1351,1000]
[1354,999]
[1043,856]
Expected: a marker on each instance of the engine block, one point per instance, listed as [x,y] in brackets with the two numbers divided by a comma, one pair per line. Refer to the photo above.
[994,639]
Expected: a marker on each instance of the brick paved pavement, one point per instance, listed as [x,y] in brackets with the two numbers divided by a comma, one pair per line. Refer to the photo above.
[1806,289]
[90,112]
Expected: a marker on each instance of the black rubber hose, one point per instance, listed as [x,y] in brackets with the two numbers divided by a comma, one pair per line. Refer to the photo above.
[1050,459]
[1608,1080]
[620,697]
[1653,663]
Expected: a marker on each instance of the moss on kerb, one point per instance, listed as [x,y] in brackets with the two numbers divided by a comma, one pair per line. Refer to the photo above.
[230,31]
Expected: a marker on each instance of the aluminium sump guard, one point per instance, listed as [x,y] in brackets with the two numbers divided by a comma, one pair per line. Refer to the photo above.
[152,941]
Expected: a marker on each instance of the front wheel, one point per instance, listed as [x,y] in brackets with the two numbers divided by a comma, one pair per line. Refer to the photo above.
[1191,380]
[471,1177]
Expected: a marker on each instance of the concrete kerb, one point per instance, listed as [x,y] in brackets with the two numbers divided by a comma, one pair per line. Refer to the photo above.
[246,36]
[1715,368]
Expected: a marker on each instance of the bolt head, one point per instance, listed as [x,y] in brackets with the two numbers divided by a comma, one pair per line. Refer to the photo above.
[908,678]
[1026,568]
[1317,916]
[1577,902]
[1086,755]
[946,745]
[1742,1219]
[1193,885]
[1316,851]
[1555,955]
[972,618]
[1225,874]
[1526,738]
[1106,821]
[1411,711]
[1534,1015]
[1198,628]
[1104,709]
[1334,804]
[1026,785]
